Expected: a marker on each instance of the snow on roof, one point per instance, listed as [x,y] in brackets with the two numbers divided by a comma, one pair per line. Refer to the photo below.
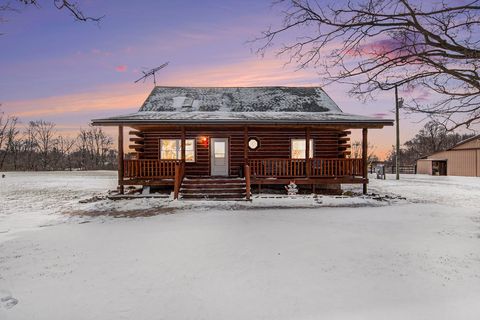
[239,99]
[231,117]
[239,105]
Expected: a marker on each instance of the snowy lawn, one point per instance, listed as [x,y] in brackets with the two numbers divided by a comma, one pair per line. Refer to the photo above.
[329,258]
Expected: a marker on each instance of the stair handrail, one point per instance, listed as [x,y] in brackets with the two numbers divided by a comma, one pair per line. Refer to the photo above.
[182,174]
[179,175]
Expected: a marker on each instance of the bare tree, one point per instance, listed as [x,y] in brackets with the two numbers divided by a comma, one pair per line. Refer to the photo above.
[430,139]
[82,142]
[28,149]
[64,5]
[8,129]
[14,147]
[62,152]
[101,144]
[44,136]
[379,44]
[356,151]
[73,9]
[40,147]
[94,146]
[4,122]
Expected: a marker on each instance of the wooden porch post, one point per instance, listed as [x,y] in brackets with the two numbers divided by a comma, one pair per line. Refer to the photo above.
[245,144]
[176,183]
[364,158]
[246,166]
[183,145]
[307,151]
[247,182]
[120,159]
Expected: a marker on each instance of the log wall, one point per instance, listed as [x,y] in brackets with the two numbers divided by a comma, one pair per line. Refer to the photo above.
[274,143]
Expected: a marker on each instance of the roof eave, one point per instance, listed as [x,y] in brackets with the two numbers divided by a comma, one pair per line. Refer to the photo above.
[115,122]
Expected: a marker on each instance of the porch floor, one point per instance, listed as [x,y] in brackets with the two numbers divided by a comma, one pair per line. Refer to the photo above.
[254,180]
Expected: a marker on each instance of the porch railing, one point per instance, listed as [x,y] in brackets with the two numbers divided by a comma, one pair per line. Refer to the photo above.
[336,167]
[318,167]
[277,167]
[258,168]
[149,169]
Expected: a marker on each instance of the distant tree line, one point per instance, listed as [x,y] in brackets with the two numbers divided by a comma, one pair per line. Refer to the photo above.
[433,137]
[39,146]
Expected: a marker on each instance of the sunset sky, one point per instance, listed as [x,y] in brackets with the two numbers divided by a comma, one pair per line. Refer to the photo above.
[56,69]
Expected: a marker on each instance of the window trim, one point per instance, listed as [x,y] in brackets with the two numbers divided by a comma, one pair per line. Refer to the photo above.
[179,149]
[258,143]
[312,148]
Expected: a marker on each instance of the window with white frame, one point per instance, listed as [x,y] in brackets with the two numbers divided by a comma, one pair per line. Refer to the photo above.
[253,143]
[171,149]
[298,148]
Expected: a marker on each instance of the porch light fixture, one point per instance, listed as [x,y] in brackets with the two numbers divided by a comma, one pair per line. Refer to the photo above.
[203,140]
[253,143]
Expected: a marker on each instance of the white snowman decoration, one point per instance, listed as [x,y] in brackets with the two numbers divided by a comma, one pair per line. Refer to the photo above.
[291,188]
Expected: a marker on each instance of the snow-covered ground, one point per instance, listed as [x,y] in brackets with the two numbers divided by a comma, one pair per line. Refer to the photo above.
[33,199]
[447,190]
[305,258]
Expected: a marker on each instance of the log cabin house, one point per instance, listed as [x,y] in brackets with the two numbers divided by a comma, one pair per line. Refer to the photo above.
[218,142]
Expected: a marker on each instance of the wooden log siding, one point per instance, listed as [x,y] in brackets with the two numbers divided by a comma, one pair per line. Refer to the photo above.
[274,143]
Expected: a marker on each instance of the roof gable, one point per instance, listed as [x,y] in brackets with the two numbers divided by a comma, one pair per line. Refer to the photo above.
[472,142]
[239,99]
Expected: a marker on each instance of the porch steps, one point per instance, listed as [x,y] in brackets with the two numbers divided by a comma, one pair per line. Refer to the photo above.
[208,188]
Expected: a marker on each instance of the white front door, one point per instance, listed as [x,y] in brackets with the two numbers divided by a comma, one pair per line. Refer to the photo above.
[219,156]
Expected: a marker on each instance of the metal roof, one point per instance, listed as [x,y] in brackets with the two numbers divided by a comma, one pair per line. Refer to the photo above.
[239,99]
[239,105]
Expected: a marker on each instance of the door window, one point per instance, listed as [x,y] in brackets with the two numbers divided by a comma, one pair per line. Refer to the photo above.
[219,147]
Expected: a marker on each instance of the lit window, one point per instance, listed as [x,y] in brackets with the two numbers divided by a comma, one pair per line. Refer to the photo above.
[171,149]
[189,150]
[219,147]
[253,143]
[298,149]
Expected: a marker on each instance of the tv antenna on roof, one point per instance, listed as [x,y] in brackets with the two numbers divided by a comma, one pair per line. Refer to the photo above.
[147,74]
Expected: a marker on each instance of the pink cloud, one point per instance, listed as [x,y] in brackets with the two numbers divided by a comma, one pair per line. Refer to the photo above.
[392,48]
[381,46]
[117,97]
[121,68]
[380,115]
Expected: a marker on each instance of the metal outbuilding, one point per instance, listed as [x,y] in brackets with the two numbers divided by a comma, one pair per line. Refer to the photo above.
[461,160]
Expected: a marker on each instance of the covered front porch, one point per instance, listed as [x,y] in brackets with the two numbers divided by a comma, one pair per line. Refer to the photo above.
[254,170]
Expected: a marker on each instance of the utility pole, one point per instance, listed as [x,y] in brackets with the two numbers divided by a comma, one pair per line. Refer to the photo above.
[398,105]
